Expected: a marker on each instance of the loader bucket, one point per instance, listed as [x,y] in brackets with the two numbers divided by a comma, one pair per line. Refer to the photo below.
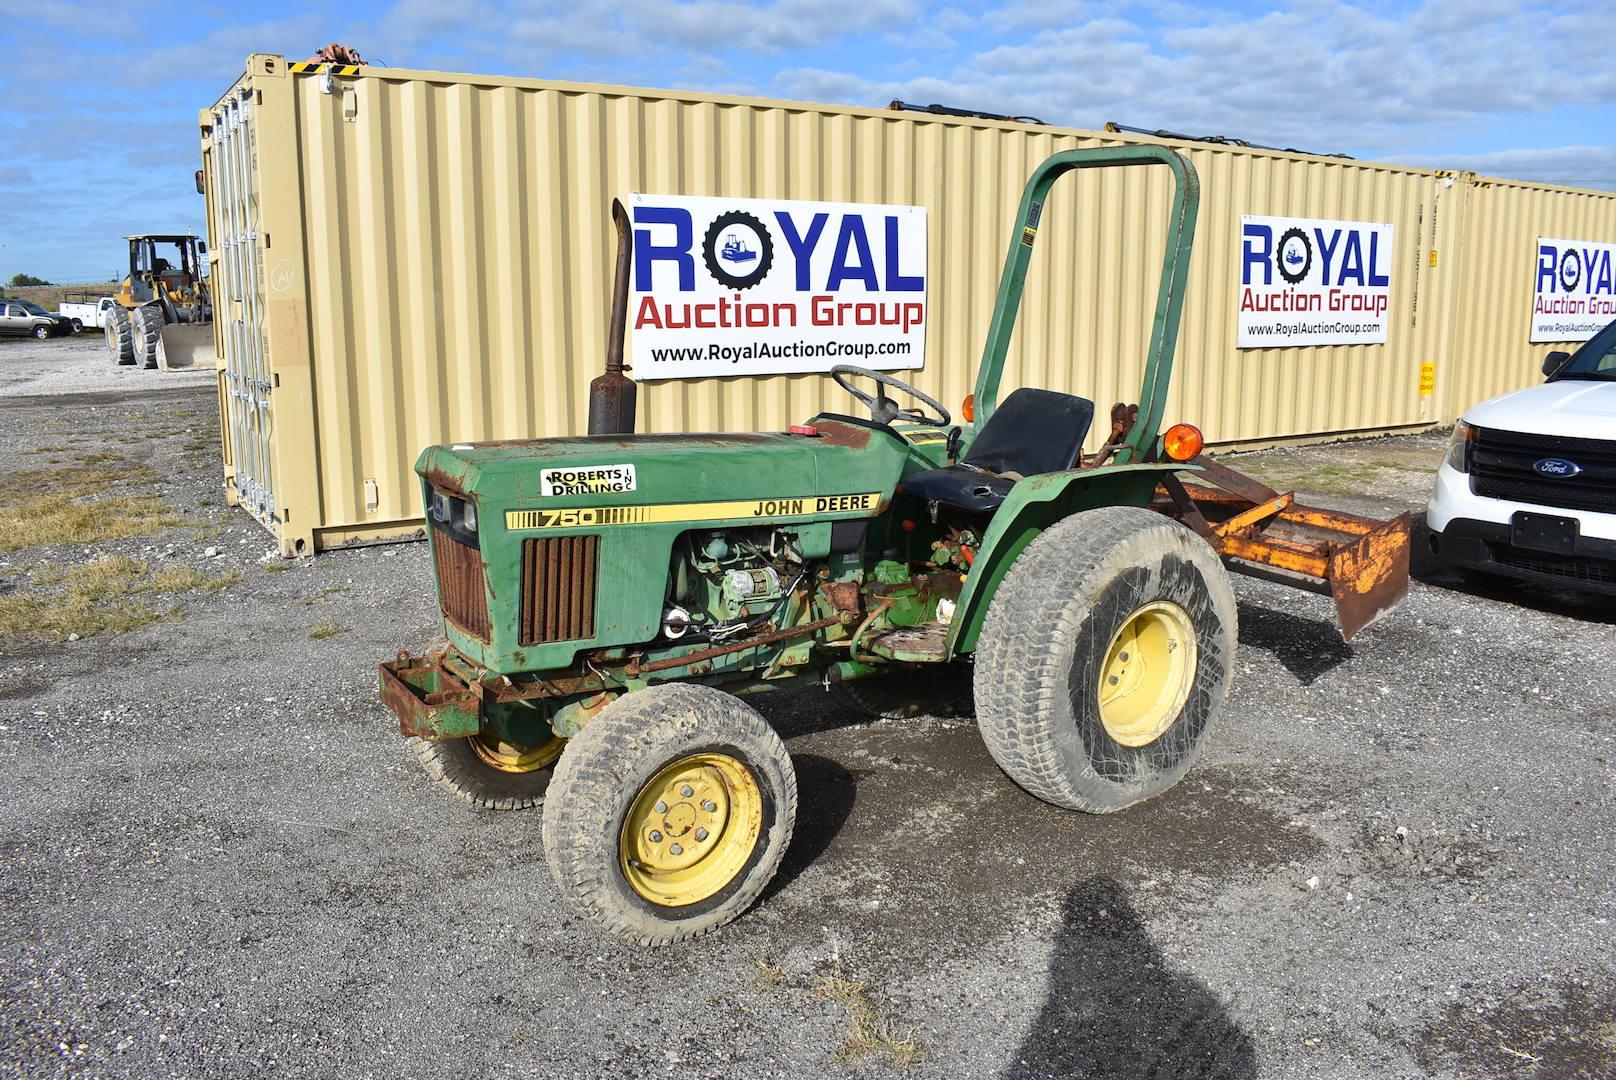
[1360,562]
[184,346]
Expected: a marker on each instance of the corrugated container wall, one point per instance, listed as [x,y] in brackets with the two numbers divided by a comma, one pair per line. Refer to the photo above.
[1504,220]
[407,258]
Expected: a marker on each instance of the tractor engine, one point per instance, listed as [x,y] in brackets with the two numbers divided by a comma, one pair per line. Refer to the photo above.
[726,582]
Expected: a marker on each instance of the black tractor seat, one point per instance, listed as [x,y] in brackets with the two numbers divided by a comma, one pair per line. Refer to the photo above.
[1031,432]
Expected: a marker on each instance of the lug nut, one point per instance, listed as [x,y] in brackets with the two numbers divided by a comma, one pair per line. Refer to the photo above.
[1112,680]
[709,806]
[701,834]
[656,837]
[661,807]
[1123,658]
[675,849]
[687,791]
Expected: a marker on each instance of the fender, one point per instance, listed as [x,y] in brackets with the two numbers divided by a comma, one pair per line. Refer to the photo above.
[1033,505]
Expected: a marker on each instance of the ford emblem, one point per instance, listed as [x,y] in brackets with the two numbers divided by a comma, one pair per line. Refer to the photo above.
[1557,467]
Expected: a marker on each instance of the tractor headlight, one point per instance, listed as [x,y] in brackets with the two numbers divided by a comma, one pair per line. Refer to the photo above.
[440,506]
[470,517]
[1459,447]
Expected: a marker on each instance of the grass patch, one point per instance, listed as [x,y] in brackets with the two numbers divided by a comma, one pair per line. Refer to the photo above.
[1340,478]
[868,1030]
[89,474]
[277,567]
[325,629]
[55,505]
[107,596]
[60,519]
[768,975]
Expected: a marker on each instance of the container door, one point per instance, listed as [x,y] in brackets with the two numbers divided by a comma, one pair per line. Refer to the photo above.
[239,301]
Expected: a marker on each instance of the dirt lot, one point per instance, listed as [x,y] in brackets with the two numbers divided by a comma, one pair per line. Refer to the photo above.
[218,859]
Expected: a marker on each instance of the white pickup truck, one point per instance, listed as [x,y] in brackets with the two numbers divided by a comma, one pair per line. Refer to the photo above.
[1528,489]
[86,309]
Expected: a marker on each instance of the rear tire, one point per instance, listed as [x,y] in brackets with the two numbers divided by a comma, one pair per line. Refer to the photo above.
[934,689]
[78,326]
[1104,659]
[669,813]
[147,325]
[120,335]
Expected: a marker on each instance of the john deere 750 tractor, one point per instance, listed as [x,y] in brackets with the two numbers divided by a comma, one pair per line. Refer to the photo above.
[609,600]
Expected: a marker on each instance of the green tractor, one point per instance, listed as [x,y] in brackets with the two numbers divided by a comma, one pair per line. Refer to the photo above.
[608,602]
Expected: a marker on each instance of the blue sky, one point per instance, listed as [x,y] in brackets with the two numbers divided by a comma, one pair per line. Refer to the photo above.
[98,103]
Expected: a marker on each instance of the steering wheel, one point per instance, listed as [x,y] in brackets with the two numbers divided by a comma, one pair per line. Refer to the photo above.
[883,410]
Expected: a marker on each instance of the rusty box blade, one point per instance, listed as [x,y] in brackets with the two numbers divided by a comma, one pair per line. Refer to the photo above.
[1360,562]
[429,701]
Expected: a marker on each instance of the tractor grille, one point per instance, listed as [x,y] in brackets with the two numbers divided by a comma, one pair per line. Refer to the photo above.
[461,593]
[1501,466]
[558,588]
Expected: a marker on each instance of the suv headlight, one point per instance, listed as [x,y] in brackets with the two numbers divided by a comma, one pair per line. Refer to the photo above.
[1459,447]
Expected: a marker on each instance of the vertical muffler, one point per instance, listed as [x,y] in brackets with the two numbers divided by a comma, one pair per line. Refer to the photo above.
[612,393]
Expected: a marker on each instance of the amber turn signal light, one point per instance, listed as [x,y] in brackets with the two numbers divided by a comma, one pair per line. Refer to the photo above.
[968,408]
[1182,442]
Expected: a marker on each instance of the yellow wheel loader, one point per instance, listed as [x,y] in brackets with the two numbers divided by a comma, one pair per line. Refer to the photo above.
[164,312]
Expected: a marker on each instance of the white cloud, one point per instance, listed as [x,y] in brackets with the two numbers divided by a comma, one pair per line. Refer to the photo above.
[1371,77]
[1573,166]
[1319,75]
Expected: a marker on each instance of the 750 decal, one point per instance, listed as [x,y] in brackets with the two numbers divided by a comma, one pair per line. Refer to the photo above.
[584,517]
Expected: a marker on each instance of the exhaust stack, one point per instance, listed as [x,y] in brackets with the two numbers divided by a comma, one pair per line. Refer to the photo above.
[612,394]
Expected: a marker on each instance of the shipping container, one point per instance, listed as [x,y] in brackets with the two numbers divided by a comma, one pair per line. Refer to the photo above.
[1504,220]
[404,258]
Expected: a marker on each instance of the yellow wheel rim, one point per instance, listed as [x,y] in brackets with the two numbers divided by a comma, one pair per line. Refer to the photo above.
[691,830]
[505,757]
[1148,671]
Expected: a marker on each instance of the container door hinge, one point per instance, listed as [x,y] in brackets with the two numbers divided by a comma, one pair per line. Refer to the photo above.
[372,497]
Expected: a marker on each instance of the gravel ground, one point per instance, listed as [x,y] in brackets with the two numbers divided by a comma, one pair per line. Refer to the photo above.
[217,858]
[80,364]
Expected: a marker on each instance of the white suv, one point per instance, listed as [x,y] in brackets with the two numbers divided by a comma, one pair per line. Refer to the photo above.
[1529,485]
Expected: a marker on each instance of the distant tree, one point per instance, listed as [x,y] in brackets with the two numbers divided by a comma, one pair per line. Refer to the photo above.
[19,281]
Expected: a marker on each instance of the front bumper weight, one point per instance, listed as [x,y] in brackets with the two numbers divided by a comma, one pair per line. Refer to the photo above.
[430,701]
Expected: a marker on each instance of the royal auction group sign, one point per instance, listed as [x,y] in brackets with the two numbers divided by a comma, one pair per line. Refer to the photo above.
[1309,281]
[1574,295]
[775,286]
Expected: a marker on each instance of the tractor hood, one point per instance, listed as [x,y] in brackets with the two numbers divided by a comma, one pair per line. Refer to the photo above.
[647,470]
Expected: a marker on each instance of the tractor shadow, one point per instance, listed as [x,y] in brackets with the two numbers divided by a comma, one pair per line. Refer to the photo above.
[1308,648]
[826,793]
[1115,1010]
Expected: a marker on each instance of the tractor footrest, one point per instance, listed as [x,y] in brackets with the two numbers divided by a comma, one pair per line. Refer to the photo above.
[1360,562]
[430,701]
[924,644]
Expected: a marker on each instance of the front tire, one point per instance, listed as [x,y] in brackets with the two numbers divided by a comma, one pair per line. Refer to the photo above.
[147,324]
[42,332]
[489,774]
[120,335]
[669,813]
[1104,659]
